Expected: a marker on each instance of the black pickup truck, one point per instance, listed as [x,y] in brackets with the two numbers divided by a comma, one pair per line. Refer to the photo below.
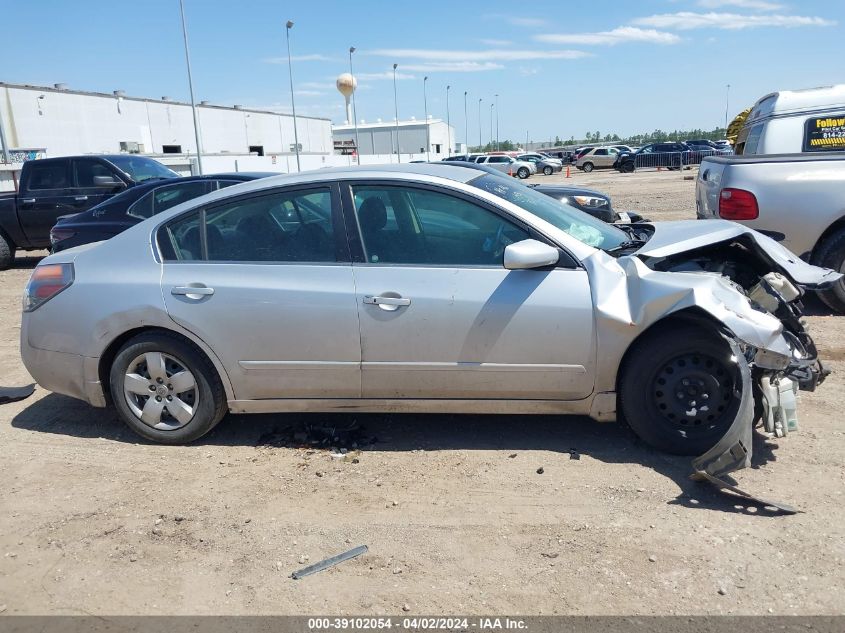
[51,187]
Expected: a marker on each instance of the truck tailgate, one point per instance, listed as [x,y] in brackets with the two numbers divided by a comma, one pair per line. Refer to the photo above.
[707,188]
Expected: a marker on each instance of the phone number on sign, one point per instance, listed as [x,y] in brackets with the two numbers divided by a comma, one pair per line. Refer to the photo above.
[410,623]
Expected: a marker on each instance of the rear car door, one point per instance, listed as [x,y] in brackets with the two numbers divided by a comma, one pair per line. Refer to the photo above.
[442,318]
[47,195]
[265,280]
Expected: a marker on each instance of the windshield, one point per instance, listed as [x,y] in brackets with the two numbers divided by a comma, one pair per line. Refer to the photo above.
[582,226]
[139,168]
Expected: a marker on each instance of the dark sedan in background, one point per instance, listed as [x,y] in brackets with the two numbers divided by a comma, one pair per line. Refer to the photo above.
[593,202]
[117,214]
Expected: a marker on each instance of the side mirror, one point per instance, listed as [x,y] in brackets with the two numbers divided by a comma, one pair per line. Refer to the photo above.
[529,254]
[108,182]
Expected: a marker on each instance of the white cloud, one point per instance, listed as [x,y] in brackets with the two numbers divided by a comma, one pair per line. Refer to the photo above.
[474,56]
[754,5]
[387,74]
[616,36]
[516,20]
[487,42]
[527,71]
[452,67]
[313,57]
[732,21]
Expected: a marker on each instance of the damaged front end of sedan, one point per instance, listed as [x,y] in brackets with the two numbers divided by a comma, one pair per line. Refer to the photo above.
[746,284]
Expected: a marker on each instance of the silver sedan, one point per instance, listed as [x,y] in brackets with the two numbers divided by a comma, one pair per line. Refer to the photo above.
[425,288]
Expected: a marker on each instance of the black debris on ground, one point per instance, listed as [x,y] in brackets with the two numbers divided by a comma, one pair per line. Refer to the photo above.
[318,435]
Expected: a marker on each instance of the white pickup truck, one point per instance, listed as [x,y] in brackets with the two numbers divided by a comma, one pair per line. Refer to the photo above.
[796,199]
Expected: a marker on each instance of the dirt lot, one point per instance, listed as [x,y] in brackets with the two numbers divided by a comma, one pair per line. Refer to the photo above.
[455,515]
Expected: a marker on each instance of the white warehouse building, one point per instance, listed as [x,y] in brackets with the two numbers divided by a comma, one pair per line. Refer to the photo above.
[380,138]
[60,122]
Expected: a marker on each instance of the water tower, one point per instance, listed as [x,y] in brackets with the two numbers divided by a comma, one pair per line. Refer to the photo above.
[346,85]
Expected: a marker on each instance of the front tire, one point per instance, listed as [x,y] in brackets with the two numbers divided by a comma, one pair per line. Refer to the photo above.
[7,253]
[523,173]
[165,389]
[831,254]
[588,167]
[680,390]
[547,171]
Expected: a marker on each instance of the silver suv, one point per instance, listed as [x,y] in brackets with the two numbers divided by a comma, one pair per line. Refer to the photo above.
[508,165]
[598,158]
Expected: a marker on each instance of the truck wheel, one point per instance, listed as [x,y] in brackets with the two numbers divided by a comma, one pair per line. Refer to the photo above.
[831,254]
[165,389]
[628,168]
[680,389]
[523,173]
[588,167]
[7,252]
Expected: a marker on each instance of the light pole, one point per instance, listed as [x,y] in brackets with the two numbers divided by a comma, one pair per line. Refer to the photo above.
[727,97]
[396,110]
[466,124]
[448,128]
[497,123]
[190,87]
[425,113]
[289,26]
[491,127]
[479,124]
[354,109]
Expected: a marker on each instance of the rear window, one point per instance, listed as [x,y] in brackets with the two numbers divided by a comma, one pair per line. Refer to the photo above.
[753,139]
[52,175]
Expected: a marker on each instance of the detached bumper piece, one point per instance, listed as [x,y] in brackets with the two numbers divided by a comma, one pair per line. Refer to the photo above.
[733,451]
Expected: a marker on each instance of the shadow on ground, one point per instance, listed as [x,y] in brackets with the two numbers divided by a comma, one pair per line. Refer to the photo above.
[570,436]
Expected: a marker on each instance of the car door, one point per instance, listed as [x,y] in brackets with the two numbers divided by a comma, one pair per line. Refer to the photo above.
[442,318]
[93,182]
[48,194]
[264,279]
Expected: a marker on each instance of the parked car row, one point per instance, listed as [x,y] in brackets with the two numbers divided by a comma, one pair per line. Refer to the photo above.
[513,163]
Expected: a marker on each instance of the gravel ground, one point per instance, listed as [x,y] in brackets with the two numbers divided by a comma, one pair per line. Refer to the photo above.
[455,511]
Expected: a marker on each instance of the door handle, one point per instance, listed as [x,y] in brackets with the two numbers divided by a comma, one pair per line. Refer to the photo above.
[387,303]
[80,198]
[27,200]
[192,291]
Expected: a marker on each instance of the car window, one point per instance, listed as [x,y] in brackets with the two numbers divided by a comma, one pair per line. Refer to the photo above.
[289,226]
[222,184]
[601,152]
[86,169]
[163,198]
[500,159]
[430,228]
[52,175]
[140,168]
[753,139]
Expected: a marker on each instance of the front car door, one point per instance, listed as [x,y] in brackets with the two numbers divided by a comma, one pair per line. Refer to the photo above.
[94,181]
[442,318]
[265,280]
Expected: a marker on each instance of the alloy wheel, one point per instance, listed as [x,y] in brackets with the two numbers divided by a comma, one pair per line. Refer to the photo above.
[160,391]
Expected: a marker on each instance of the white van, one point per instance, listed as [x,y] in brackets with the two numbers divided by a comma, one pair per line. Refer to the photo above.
[794,121]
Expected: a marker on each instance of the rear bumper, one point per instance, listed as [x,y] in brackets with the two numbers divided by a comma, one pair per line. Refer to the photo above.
[68,374]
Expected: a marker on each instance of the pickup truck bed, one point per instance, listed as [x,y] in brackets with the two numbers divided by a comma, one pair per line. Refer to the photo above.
[796,199]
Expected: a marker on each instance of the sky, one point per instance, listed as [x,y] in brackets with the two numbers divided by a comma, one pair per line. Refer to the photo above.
[560,68]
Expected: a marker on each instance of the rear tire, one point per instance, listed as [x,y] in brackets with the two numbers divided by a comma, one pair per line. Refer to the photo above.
[588,167]
[831,254]
[523,173]
[628,168]
[680,391]
[165,389]
[547,171]
[7,253]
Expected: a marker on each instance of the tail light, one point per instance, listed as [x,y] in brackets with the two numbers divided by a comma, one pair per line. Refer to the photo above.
[58,234]
[738,204]
[46,282]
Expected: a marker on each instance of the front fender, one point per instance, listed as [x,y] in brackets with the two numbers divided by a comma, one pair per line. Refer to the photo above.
[629,298]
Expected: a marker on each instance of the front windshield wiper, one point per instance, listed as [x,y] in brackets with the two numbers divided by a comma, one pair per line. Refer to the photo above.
[627,244]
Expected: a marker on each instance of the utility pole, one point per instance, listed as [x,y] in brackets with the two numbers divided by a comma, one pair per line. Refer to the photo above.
[425,114]
[497,123]
[466,123]
[289,26]
[396,109]
[727,102]
[479,124]
[448,128]
[190,87]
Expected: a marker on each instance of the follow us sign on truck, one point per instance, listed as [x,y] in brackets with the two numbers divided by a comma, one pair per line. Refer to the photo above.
[824,133]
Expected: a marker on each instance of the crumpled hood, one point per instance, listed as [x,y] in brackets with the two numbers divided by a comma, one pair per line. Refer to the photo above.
[672,238]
